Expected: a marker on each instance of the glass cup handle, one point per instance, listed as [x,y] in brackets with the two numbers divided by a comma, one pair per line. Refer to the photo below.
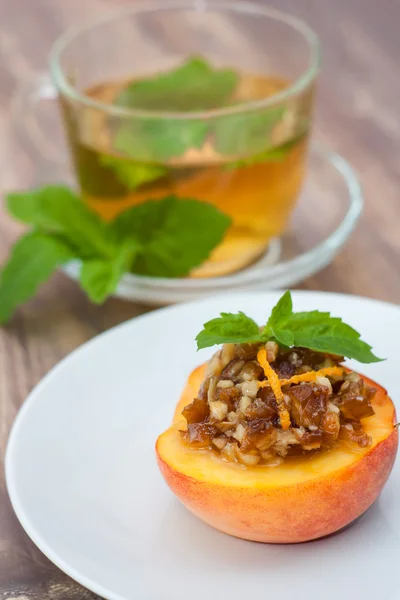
[25,111]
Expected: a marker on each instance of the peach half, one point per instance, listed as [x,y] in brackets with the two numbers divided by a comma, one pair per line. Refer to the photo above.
[302,499]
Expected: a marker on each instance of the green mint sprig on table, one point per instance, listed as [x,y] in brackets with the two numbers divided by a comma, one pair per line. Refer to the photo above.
[315,330]
[163,238]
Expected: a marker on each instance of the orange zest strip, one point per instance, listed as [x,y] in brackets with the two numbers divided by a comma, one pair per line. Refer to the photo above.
[312,375]
[274,382]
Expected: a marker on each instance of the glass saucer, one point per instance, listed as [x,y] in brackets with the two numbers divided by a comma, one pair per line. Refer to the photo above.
[327,211]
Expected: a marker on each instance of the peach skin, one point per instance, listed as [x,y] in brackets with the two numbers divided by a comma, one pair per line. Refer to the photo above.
[302,499]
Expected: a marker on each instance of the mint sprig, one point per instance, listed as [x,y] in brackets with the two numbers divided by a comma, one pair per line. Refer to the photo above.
[315,330]
[164,238]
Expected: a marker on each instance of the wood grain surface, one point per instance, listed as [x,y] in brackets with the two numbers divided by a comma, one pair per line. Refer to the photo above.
[357,115]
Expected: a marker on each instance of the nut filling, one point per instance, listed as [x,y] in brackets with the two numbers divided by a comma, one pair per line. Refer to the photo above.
[260,404]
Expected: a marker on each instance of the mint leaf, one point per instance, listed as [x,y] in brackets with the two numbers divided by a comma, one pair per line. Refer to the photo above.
[132,175]
[229,327]
[99,278]
[321,332]
[33,259]
[333,343]
[175,234]
[282,336]
[248,132]
[155,139]
[193,86]
[58,210]
[276,325]
[281,312]
[277,154]
[314,330]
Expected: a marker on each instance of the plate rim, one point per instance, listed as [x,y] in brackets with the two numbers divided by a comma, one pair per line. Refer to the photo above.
[12,441]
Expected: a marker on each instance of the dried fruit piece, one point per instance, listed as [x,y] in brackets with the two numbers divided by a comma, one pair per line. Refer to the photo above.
[353,432]
[197,411]
[259,434]
[199,435]
[355,400]
[309,404]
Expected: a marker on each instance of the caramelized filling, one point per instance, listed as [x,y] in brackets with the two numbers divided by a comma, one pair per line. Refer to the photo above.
[260,404]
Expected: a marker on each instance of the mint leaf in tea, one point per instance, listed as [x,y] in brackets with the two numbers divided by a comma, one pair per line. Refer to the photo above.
[154,139]
[246,158]
[270,155]
[247,133]
[194,86]
[133,175]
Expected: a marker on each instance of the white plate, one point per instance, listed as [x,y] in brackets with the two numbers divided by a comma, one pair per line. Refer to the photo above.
[327,210]
[83,480]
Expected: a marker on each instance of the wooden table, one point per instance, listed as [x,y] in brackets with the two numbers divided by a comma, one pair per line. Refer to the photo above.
[357,115]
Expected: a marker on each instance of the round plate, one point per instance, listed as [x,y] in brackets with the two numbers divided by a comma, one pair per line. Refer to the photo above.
[326,213]
[83,480]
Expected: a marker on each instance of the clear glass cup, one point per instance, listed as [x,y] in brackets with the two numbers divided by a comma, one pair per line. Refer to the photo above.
[248,158]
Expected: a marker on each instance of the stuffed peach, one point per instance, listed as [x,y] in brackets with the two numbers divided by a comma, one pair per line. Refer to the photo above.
[274,440]
[298,500]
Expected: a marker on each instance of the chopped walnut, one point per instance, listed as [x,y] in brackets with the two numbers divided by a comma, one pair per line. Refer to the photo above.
[251,370]
[227,353]
[239,433]
[248,459]
[272,351]
[225,384]
[250,388]
[220,442]
[244,404]
[218,410]
[233,368]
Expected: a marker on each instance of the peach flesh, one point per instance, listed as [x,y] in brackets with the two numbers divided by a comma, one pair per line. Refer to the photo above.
[300,500]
